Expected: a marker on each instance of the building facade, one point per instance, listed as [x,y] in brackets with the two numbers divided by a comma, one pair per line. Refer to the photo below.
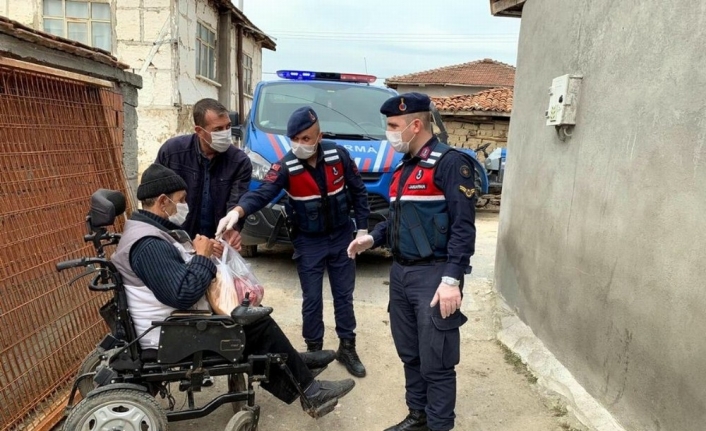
[185,50]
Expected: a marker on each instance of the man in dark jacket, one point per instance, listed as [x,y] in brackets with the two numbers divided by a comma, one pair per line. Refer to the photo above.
[162,275]
[216,173]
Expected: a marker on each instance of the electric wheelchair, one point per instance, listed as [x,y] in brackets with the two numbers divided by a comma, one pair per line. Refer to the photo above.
[119,381]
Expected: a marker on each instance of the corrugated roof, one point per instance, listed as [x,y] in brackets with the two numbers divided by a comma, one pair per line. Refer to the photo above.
[15,29]
[493,100]
[480,73]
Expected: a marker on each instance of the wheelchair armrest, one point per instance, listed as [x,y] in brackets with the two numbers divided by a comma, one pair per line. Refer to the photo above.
[190,318]
[190,313]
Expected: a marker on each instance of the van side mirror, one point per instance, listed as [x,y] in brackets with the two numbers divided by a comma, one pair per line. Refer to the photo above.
[235,129]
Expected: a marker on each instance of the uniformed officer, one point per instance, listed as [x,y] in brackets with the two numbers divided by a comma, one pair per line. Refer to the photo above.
[323,183]
[431,232]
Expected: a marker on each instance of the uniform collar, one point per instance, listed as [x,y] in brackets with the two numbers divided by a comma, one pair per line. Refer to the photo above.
[425,151]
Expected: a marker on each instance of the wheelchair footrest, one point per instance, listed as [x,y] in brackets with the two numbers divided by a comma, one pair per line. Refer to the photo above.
[323,409]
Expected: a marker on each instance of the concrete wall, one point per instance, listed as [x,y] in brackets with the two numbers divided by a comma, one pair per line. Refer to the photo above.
[27,12]
[144,32]
[471,132]
[440,90]
[600,246]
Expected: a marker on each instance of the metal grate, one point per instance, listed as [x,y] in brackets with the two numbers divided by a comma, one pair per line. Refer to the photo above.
[60,140]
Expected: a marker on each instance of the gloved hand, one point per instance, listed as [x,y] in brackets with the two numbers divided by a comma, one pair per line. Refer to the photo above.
[361,233]
[359,245]
[227,223]
[449,299]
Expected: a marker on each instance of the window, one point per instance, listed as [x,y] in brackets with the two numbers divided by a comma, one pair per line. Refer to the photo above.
[205,52]
[247,74]
[87,22]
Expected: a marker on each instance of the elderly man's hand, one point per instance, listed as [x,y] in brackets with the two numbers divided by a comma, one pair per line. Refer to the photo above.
[217,249]
[203,246]
[233,238]
[449,299]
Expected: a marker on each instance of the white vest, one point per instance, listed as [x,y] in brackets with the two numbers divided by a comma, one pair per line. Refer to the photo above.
[143,306]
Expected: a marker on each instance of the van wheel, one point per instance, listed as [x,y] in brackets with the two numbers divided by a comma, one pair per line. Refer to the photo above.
[248,250]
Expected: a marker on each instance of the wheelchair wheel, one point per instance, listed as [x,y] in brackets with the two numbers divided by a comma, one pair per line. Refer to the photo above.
[119,409]
[88,365]
[237,383]
[242,421]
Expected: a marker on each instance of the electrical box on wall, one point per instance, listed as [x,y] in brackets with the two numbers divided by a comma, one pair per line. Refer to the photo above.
[563,100]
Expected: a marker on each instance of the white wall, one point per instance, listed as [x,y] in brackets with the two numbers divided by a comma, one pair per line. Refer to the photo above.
[191,88]
[601,240]
[139,25]
[254,50]
[27,12]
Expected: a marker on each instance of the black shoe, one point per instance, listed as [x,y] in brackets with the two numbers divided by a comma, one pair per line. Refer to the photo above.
[325,400]
[349,357]
[314,346]
[318,358]
[416,420]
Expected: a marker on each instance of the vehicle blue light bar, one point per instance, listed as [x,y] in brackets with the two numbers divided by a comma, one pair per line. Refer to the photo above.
[296,74]
[324,76]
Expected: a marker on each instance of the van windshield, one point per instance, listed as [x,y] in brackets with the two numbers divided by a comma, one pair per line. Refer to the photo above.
[348,110]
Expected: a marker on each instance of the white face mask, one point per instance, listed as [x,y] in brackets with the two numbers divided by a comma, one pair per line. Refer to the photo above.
[221,140]
[396,141]
[302,151]
[179,217]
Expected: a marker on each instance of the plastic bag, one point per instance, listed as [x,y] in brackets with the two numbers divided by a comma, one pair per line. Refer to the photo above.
[233,279]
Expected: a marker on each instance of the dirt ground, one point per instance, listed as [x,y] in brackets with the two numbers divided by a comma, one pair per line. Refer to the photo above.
[494,391]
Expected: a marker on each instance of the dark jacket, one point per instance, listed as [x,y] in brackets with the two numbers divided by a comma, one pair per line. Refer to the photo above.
[230,178]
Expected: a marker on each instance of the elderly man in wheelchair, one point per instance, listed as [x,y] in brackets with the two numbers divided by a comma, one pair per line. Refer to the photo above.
[162,330]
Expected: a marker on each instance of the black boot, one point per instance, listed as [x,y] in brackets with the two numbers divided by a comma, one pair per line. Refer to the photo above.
[318,358]
[416,420]
[326,398]
[314,346]
[349,357]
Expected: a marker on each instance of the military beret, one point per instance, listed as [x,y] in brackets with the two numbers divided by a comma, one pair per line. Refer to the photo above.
[407,103]
[300,120]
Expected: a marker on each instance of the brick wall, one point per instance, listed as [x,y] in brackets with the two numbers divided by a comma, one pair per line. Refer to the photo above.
[471,133]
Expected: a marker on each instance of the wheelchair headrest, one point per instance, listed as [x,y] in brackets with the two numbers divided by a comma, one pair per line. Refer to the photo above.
[105,206]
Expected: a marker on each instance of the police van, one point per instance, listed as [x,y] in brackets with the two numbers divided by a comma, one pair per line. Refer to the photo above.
[348,107]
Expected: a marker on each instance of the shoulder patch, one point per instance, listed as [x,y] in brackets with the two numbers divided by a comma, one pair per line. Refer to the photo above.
[276,166]
[465,171]
[467,191]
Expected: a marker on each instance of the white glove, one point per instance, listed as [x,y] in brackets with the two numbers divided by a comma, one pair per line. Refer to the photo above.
[361,233]
[359,245]
[227,223]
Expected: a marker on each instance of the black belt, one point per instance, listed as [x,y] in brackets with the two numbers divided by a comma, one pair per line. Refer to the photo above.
[412,262]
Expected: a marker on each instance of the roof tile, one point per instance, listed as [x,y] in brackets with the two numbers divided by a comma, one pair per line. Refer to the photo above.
[484,73]
[493,100]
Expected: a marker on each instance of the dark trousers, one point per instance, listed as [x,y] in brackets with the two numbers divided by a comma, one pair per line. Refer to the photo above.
[313,254]
[428,345]
[265,336]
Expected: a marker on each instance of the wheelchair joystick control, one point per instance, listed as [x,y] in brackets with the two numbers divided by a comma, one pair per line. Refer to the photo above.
[244,314]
